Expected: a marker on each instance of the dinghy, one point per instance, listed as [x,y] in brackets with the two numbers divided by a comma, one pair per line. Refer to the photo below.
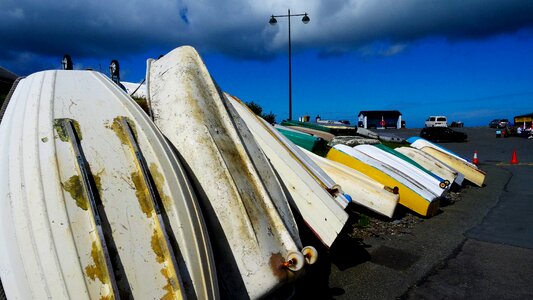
[363,190]
[471,174]
[442,181]
[93,203]
[432,164]
[419,143]
[305,140]
[413,195]
[311,197]
[407,170]
[257,247]
[319,133]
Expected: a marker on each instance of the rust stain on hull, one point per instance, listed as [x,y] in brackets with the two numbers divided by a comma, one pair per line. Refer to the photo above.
[276,265]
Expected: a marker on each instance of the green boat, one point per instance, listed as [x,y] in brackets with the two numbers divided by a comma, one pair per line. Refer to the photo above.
[306,124]
[331,128]
[309,142]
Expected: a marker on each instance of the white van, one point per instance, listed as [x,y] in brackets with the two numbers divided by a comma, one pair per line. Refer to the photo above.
[437,121]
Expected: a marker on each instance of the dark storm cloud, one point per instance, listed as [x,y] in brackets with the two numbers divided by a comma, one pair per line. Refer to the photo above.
[33,29]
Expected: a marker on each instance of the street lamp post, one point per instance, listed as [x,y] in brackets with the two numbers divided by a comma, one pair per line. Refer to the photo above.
[273,21]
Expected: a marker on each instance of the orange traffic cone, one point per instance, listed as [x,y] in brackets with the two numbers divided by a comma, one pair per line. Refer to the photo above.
[514,160]
[475,161]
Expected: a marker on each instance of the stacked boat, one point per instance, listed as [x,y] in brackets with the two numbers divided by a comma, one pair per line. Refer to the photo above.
[196,198]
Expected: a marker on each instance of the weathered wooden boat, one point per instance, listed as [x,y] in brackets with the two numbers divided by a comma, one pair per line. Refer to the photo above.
[362,189]
[304,140]
[432,164]
[313,199]
[471,174]
[318,133]
[257,248]
[413,195]
[408,170]
[442,181]
[93,202]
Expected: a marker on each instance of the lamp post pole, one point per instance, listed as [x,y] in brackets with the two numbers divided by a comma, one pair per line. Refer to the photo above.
[273,21]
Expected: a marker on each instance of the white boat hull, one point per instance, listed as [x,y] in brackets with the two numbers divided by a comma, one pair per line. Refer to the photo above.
[431,183]
[432,164]
[406,180]
[251,239]
[76,220]
[471,174]
[419,143]
[363,190]
[318,208]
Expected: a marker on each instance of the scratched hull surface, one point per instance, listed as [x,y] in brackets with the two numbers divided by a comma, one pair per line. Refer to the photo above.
[471,174]
[432,164]
[250,235]
[434,185]
[76,218]
[412,194]
[362,189]
[318,208]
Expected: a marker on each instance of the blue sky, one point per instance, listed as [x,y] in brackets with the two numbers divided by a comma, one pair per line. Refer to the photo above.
[469,60]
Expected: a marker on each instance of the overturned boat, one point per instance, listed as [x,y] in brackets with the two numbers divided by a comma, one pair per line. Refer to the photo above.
[413,195]
[256,241]
[93,203]
[362,189]
[432,164]
[320,204]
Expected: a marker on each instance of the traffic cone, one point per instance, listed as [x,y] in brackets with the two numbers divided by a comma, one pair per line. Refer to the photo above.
[475,161]
[514,160]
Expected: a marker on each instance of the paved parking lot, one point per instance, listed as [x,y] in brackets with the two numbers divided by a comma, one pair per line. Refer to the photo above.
[479,247]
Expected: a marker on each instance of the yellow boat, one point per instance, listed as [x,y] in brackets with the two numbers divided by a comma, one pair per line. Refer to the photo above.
[474,175]
[408,197]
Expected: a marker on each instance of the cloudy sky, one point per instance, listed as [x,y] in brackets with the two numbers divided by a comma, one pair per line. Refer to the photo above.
[468,59]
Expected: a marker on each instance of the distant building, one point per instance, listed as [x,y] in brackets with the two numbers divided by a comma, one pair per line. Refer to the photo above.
[523,120]
[380,119]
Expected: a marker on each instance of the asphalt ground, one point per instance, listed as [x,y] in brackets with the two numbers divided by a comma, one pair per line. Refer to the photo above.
[480,247]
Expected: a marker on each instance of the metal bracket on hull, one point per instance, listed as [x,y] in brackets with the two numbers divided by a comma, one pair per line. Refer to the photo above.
[88,189]
[149,183]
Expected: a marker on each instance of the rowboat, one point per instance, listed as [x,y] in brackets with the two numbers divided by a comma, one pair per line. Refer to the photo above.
[362,189]
[335,129]
[471,174]
[442,181]
[304,140]
[257,247]
[93,202]
[432,184]
[311,197]
[322,177]
[306,124]
[413,195]
[419,143]
[318,133]
[432,164]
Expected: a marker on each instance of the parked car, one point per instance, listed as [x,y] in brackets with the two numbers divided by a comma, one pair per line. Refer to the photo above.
[442,134]
[437,121]
[457,124]
[499,123]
